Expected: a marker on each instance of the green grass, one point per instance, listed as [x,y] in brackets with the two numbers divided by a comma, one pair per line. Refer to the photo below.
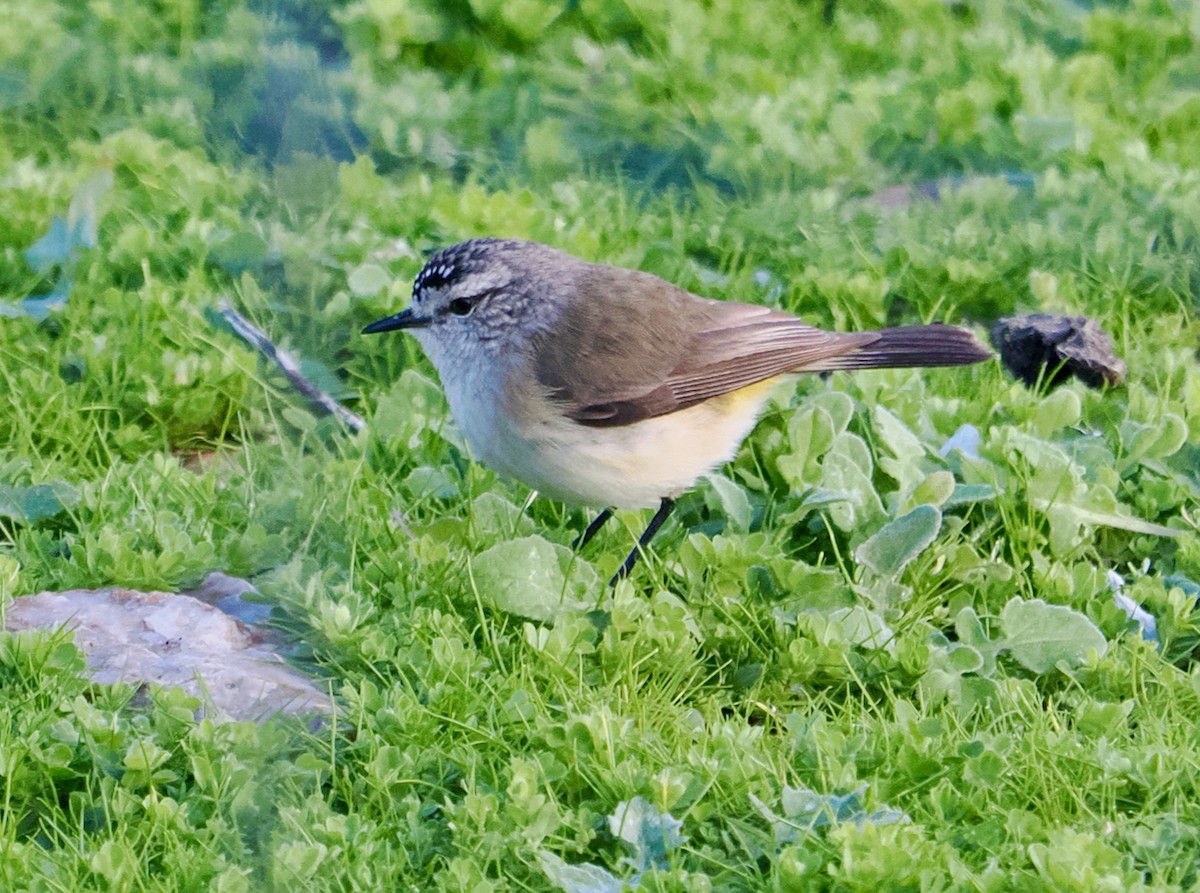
[847,664]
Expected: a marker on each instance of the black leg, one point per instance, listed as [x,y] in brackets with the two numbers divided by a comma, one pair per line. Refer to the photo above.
[586,537]
[656,522]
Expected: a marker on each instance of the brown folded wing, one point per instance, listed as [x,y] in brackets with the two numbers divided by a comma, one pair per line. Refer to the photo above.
[631,346]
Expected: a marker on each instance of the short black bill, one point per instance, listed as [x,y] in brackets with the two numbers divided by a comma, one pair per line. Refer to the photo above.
[405,319]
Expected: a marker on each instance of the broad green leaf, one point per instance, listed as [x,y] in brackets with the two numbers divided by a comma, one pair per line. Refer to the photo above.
[895,436]
[973,637]
[967,494]
[898,439]
[965,659]
[36,503]
[838,405]
[1173,433]
[1044,457]
[1080,515]
[1066,529]
[934,489]
[810,434]
[732,499]
[1156,441]
[847,469]
[1039,636]
[862,627]
[906,474]
[898,542]
[534,578]
[969,628]
[431,481]
[812,500]
[494,517]
[812,430]
[1059,410]
[1082,860]
[882,593]
[853,448]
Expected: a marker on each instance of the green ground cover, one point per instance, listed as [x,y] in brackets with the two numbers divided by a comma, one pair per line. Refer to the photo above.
[849,663]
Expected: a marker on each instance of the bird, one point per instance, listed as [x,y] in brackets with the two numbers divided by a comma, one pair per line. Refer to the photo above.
[612,388]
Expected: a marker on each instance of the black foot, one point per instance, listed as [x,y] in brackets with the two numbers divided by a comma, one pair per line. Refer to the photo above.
[664,509]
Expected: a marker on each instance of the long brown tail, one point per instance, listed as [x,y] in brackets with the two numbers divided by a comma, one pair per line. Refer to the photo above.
[933,345]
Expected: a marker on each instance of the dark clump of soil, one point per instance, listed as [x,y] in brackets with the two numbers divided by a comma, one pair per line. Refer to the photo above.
[1047,348]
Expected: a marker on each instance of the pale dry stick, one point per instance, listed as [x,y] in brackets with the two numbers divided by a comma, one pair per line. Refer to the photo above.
[289,366]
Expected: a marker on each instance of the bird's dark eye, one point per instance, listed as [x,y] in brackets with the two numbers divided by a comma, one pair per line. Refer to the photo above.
[462,306]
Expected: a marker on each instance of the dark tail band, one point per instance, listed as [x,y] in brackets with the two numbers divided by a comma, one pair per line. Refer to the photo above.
[933,345]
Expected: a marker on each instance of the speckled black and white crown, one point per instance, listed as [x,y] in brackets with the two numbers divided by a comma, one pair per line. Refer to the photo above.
[453,263]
